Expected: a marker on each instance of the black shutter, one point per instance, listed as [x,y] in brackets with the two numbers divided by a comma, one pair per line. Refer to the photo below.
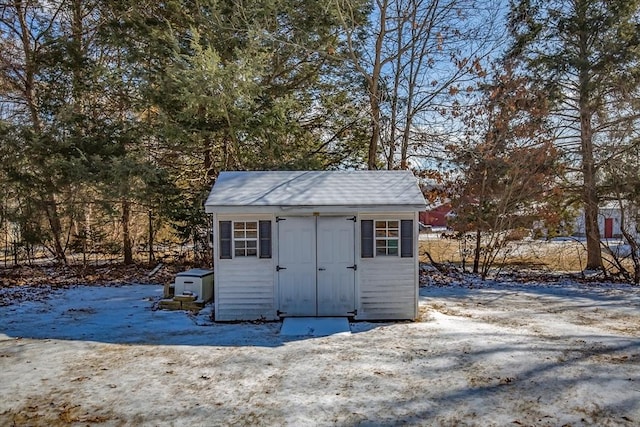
[406,235]
[265,239]
[225,239]
[366,238]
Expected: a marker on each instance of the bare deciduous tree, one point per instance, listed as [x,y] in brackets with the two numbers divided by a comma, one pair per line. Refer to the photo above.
[415,57]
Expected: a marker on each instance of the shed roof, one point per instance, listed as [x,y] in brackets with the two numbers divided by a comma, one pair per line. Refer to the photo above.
[259,191]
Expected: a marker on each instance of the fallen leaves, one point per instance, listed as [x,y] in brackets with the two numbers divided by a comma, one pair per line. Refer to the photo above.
[37,282]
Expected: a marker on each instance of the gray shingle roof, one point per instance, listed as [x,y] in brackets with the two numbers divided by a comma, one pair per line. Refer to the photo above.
[315,189]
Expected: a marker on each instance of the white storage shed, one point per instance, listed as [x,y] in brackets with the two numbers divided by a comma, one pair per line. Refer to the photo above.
[315,243]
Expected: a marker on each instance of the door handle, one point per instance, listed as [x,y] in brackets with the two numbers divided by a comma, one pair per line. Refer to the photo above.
[321,269]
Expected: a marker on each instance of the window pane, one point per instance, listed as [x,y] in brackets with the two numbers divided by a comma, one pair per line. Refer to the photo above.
[245,238]
[387,235]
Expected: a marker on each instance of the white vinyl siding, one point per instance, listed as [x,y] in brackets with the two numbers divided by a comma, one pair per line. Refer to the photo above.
[244,290]
[388,289]
[385,287]
[244,285]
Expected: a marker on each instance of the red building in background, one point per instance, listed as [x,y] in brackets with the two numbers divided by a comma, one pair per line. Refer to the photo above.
[436,217]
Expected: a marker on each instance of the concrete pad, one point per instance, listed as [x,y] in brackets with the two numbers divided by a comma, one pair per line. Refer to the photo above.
[314,326]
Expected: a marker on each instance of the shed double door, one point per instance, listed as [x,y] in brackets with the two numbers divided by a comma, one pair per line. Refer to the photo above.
[316,270]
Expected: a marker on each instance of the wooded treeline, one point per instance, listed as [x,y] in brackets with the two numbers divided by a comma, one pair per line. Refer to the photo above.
[116,117]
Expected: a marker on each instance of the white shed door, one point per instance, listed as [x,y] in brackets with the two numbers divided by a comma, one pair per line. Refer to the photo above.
[316,274]
[336,271]
[297,266]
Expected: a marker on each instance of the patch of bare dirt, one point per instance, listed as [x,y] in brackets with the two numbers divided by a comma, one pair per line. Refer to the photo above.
[63,276]
[36,282]
[47,412]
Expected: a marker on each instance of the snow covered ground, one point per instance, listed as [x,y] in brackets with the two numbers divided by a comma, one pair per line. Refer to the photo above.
[493,353]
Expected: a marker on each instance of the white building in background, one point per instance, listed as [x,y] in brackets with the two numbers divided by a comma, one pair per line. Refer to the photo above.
[610,221]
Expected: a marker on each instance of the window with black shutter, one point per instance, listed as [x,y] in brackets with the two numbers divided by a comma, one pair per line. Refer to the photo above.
[245,239]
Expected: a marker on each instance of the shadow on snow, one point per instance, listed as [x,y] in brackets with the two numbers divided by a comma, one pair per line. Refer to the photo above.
[126,315]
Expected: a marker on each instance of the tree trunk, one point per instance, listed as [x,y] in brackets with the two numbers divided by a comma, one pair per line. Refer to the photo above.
[126,236]
[152,256]
[53,218]
[476,252]
[396,95]
[30,67]
[589,189]
[590,200]
[374,89]
[6,231]
[77,53]
[375,136]
[590,196]
[87,242]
